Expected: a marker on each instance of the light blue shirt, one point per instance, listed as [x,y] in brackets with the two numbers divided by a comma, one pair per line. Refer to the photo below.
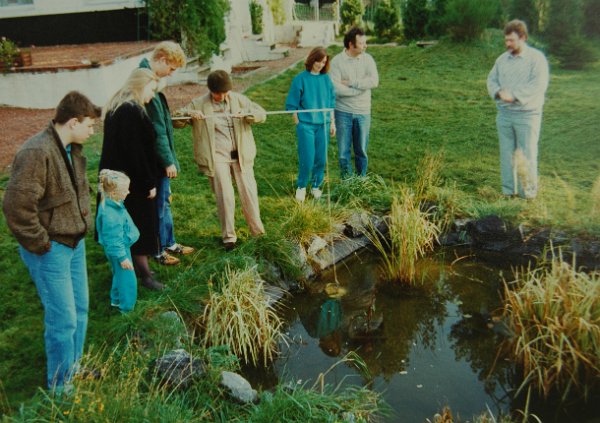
[525,76]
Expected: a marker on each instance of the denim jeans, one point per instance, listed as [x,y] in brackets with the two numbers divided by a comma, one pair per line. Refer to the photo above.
[518,134]
[352,130]
[312,153]
[60,277]
[165,217]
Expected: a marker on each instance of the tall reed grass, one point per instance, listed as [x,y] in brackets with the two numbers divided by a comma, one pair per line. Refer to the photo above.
[238,315]
[554,312]
[411,234]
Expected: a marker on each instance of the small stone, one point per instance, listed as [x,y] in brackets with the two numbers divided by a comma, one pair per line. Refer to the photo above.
[238,387]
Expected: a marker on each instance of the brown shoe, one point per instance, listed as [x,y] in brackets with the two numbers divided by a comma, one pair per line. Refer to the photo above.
[180,249]
[229,246]
[167,260]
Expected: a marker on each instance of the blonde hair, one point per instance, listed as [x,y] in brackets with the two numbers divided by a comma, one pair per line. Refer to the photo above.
[111,181]
[171,51]
[132,90]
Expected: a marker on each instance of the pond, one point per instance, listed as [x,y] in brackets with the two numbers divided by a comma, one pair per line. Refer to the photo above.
[424,350]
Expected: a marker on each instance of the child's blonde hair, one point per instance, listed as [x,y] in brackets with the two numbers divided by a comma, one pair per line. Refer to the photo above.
[110,181]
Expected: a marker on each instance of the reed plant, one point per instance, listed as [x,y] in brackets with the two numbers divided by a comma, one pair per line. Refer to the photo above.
[368,192]
[311,218]
[238,314]
[554,312]
[411,234]
[595,194]
[428,175]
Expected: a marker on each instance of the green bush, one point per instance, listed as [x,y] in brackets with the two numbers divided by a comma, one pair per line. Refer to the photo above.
[414,18]
[351,12]
[527,11]
[256,17]
[199,22]
[564,34]
[591,23]
[467,19]
[8,54]
[386,21]
[435,25]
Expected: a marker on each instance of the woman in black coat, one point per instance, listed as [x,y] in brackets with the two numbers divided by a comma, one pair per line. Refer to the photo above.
[129,146]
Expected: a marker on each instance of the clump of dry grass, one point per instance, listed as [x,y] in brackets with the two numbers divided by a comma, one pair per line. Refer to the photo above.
[428,175]
[411,234]
[554,312]
[596,198]
[239,315]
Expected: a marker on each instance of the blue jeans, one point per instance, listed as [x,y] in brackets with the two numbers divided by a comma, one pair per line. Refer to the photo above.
[352,130]
[165,217]
[312,153]
[124,284]
[60,277]
[518,133]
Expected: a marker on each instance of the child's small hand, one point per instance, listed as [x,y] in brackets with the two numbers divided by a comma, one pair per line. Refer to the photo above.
[126,264]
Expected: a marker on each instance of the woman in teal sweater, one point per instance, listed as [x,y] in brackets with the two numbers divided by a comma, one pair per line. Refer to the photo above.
[312,89]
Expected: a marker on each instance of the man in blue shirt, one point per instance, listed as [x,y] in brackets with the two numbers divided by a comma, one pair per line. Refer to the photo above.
[518,83]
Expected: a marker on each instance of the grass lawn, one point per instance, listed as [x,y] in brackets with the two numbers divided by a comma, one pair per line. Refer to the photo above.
[429,100]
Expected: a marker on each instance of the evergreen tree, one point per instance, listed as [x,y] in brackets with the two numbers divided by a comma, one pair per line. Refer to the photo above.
[414,18]
[435,25]
[527,11]
[591,23]
[564,34]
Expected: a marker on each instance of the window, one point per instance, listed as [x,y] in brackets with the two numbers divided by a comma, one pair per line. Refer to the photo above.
[15,2]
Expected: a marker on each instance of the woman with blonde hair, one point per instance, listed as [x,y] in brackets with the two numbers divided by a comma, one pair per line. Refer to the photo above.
[129,147]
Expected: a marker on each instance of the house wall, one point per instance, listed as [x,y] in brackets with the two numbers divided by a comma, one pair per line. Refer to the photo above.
[16,89]
[51,22]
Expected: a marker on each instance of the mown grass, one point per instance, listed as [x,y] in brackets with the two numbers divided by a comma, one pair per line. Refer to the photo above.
[429,100]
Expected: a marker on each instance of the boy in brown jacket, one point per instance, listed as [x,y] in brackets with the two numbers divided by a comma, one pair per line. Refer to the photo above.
[47,208]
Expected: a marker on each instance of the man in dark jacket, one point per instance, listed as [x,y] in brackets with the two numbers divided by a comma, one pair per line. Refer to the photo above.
[166,58]
[47,208]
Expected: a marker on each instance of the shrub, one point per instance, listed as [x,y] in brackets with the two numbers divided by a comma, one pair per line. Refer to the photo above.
[386,21]
[466,19]
[351,12]
[8,54]
[239,316]
[564,34]
[554,313]
[527,11]
[256,17]
[277,8]
[591,22]
[435,25]
[414,18]
[198,24]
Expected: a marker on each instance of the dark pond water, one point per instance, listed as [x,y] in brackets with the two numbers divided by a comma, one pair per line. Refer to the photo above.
[431,348]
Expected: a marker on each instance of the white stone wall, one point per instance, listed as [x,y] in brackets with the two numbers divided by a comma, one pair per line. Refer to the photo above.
[44,90]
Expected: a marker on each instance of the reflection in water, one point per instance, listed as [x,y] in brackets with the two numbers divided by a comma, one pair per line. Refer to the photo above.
[424,349]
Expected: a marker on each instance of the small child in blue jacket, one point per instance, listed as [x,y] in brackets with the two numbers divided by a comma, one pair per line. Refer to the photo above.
[117,233]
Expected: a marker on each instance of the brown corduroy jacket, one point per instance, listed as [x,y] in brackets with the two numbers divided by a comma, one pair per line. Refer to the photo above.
[47,197]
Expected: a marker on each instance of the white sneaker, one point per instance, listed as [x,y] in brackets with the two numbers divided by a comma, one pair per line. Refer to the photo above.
[300,195]
[316,193]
